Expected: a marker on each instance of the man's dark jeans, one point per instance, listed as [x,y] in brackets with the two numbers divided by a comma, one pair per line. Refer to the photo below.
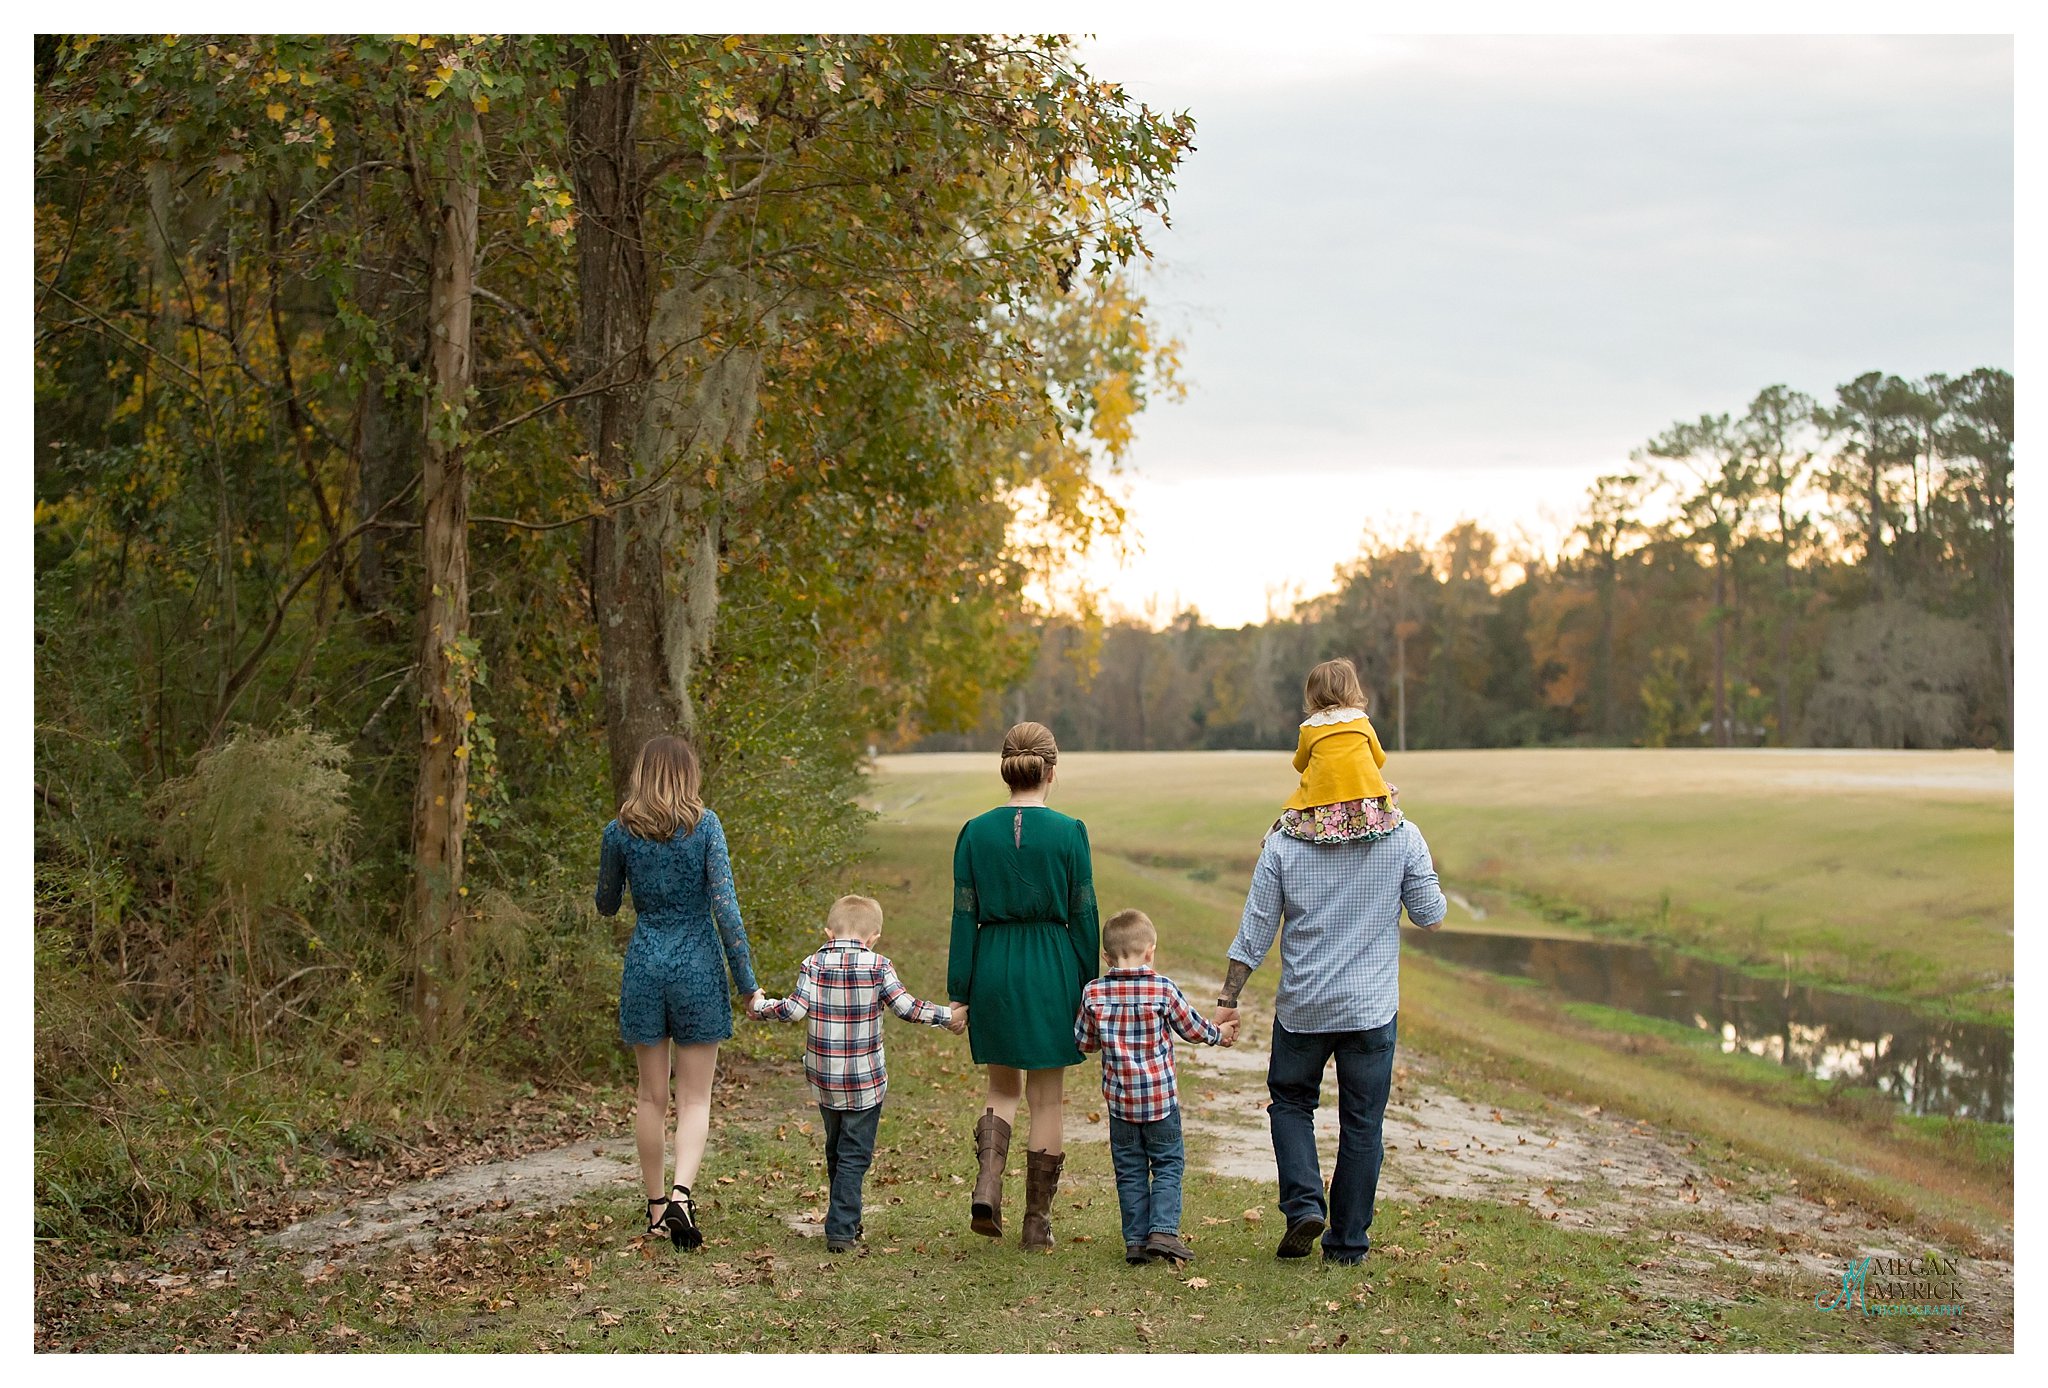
[1148,1159]
[1294,1077]
[849,1149]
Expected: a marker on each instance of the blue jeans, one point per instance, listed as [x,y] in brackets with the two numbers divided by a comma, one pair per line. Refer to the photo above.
[849,1149]
[1294,1078]
[1148,1159]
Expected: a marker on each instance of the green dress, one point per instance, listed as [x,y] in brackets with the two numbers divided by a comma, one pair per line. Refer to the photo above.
[1025,938]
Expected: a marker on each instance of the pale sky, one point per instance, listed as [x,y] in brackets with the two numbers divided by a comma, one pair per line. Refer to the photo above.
[1423,278]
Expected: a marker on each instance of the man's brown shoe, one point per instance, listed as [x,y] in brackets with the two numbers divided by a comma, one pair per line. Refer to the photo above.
[1134,1254]
[1165,1245]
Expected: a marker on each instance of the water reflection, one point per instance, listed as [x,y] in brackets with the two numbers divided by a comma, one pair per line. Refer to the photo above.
[1931,1066]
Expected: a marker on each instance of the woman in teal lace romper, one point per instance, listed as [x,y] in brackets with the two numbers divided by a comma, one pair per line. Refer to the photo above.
[674,1006]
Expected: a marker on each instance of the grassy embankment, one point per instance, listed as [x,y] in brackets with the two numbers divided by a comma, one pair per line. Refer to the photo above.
[1447,1274]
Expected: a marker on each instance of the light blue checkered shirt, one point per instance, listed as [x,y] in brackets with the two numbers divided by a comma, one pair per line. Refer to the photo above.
[1340,956]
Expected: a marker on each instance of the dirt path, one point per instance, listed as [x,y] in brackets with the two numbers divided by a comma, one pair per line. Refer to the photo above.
[1585,1169]
[418,1214]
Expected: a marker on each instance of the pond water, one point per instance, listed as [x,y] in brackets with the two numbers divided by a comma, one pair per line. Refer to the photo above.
[1931,1066]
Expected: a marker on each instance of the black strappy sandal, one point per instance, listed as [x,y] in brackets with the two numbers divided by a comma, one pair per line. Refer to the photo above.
[679,1217]
[657,1216]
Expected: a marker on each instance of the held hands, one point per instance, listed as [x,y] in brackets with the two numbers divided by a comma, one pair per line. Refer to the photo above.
[757,1004]
[958,1023]
[1225,1021]
[1229,1030]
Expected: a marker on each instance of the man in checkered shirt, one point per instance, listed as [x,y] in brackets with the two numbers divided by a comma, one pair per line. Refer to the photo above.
[842,989]
[1340,987]
[1126,1014]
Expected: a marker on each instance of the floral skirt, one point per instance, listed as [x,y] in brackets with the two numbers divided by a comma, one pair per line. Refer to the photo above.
[1347,821]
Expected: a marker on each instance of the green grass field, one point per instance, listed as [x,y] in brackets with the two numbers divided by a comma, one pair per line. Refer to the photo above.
[1886,872]
[1797,1174]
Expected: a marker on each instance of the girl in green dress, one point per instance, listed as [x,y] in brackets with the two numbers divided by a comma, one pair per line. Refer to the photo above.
[1025,942]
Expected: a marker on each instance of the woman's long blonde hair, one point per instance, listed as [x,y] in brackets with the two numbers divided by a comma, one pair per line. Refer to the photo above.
[663,796]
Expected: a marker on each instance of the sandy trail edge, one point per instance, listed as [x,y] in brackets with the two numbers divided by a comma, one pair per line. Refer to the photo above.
[1586,1170]
[417,1215]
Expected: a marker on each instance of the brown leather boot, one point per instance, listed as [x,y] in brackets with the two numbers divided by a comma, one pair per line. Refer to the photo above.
[992,1151]
[1041,1184]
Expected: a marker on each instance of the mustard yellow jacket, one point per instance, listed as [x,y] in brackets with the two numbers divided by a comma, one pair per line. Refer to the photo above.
[1338,762]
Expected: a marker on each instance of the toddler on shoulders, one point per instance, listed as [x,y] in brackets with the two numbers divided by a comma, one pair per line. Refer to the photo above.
[1342,797]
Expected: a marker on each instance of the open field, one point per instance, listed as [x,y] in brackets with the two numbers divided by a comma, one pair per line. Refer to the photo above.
[1558,1176]
[1886,872]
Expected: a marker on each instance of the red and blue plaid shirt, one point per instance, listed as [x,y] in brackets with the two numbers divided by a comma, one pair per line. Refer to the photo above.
[1125,1014]
[842,989]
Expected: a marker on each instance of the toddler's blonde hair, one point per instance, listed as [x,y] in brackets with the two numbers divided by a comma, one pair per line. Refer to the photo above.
[858,916]
[1332,684]
[1125,935]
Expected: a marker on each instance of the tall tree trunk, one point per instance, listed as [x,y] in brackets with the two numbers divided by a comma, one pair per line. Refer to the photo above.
[1401,628]
[615,306]
[1785,609]
[1603,657]
[1874,554]
[654,560]
[439,817]
[2002,600]
[1720,649]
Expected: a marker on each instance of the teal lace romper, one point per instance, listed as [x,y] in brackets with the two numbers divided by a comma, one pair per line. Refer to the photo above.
[688,914]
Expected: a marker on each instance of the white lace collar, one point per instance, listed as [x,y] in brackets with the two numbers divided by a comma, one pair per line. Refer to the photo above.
[1332,715]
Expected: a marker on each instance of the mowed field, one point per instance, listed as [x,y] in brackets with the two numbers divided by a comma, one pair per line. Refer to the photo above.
[1887,872]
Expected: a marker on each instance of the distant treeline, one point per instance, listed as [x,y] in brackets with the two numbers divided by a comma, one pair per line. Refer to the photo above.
[1803,574]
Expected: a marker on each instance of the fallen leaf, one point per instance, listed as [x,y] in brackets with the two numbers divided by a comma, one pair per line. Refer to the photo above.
[1197,1282]
[1094,1117]
[1254,1215]
[605,1317]
[1084,1238]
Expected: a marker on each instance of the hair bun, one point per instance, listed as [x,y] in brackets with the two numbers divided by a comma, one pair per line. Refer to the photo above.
[1028,749]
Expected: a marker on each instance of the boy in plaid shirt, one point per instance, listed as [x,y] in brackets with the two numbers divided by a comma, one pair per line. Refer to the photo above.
[842,989]
[1125,1014]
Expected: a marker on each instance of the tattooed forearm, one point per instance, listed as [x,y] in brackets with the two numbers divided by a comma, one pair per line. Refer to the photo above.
[1233,983]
